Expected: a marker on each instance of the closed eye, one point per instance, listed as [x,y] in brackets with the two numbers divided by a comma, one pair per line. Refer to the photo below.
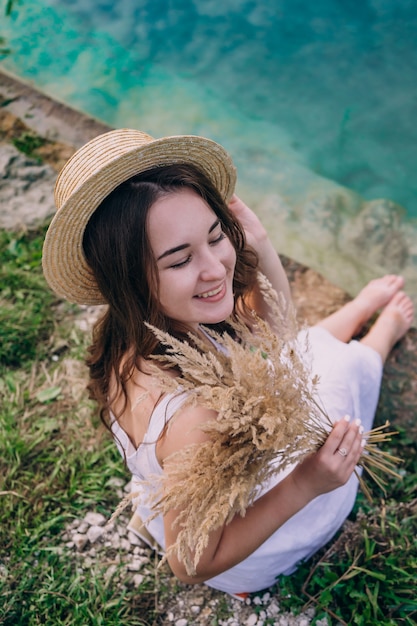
[218,239]
[181,263]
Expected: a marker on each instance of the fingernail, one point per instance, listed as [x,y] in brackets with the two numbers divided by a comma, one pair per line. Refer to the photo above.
[360,430]
[358,421]
[347,418]
[363,443]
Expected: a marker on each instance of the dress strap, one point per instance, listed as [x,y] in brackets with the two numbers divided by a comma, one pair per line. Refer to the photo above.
[162,413]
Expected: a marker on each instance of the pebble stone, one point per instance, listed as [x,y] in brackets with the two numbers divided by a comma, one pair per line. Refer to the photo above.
[95,519]
[128,561]
[138,580]
[79,540]
[94,533]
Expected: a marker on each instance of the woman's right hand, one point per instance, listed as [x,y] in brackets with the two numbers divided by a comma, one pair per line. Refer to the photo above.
[321,472]
[333,464]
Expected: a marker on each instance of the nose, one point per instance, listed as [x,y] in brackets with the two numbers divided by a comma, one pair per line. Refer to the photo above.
[212,267]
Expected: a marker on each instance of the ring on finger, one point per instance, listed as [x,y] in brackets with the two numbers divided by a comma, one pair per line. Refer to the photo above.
[342,451]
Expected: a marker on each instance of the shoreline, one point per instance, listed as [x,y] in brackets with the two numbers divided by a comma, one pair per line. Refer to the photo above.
[47,117]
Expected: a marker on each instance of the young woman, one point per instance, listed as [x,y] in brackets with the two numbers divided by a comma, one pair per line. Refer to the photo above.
[152,229]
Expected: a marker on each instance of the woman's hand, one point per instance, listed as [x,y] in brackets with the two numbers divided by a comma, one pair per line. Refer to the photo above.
[332,466]
[322,471]
[269,261]
[254,230]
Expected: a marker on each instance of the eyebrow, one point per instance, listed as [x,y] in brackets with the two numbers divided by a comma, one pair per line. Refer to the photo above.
[185,245]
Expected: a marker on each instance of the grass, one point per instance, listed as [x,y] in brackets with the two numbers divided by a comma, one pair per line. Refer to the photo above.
[368,575]
[26,318]
[56,463]
[28,142]
[55,459]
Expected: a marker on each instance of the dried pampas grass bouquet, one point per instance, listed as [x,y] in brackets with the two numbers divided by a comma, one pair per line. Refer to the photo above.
[268,419]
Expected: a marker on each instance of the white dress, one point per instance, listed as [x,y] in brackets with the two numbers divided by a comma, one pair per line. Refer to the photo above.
[350,377]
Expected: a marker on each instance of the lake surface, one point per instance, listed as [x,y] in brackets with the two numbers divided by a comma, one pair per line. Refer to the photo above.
[316,102]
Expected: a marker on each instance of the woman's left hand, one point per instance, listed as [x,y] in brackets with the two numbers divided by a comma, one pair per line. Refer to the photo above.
[255,232]
[269,261]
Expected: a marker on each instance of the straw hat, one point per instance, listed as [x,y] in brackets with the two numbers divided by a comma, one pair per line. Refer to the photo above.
[92,173]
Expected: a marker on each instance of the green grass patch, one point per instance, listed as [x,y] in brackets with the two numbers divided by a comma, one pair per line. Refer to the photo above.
[26,314]
[56,466]
[367,576]
[28,142]
[56,459]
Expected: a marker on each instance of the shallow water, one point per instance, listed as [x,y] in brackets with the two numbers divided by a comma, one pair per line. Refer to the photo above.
[315,102]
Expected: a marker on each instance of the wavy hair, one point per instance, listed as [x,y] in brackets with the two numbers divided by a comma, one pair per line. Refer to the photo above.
[117,248]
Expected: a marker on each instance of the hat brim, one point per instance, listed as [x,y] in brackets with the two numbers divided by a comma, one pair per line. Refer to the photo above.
[64,264]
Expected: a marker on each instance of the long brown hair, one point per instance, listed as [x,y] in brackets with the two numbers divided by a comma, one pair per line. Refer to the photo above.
[117,248]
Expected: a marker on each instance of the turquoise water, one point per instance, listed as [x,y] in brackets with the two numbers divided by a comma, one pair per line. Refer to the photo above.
[315,101]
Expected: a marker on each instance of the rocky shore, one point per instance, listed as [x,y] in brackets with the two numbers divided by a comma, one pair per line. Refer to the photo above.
[26,199]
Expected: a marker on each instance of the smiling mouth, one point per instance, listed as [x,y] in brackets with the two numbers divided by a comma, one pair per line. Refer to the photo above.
[209,294]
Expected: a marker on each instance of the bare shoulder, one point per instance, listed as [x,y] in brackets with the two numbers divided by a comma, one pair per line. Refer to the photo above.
[144,391]
[185,428]
[133,410]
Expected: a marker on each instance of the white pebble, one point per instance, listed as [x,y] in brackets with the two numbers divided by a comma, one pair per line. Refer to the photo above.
[137,564]
[83,527]
[138,580]
[110,571]
[181,622]
[79,540]
[252,620]
[125,544]
[134,566]
[115,482]
[95,519]
[94,533]
[134,539]
[272,609]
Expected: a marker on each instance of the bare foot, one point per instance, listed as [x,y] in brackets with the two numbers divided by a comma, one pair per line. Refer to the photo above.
[347,322]
[376,294]
[391,325]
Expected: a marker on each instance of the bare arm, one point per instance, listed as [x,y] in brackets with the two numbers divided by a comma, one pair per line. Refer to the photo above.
[319,473]
[269,261]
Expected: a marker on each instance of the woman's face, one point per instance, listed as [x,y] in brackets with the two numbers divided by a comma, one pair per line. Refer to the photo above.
[195,259]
